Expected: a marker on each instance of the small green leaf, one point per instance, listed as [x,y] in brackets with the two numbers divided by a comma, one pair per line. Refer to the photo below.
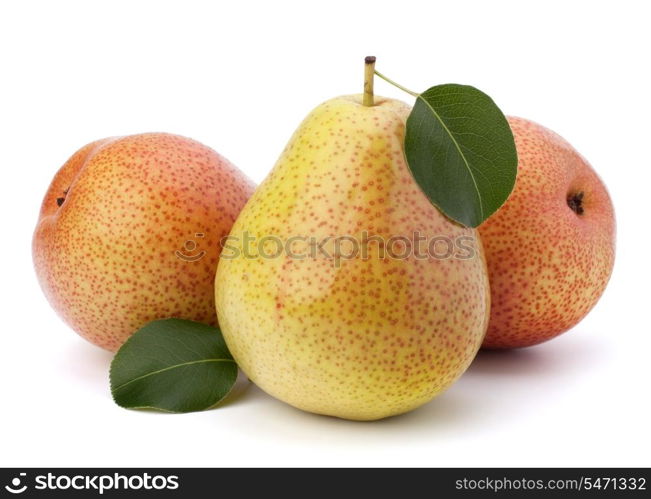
[461,152]
[173,365]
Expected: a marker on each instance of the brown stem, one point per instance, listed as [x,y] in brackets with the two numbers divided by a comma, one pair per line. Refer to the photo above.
[369,70]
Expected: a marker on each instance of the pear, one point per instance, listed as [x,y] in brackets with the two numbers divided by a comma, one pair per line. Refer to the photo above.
[341,289]
[550,249]
[129,232]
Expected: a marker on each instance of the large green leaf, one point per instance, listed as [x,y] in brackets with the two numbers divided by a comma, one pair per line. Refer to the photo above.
[461,152]
[173,365]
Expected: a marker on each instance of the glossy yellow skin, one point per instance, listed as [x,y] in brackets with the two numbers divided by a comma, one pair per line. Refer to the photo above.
[364,338]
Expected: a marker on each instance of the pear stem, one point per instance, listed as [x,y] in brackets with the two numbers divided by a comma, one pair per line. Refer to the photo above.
[369,69]
[397,85]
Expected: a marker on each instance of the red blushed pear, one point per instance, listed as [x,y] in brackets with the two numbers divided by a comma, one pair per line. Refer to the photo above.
[129,231]
[550,249]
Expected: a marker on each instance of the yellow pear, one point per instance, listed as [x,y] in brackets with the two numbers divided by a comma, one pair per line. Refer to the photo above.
[341,289]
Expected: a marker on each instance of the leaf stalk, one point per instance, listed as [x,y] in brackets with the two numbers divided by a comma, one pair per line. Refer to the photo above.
[397,85]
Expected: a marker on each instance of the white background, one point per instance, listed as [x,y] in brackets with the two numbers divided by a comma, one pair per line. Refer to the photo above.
[240,77]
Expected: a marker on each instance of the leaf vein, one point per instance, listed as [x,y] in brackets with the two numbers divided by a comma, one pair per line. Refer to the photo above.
[456,144]
[158,371]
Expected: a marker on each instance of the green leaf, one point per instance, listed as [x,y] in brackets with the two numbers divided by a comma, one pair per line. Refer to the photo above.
[461,152]
[173,365]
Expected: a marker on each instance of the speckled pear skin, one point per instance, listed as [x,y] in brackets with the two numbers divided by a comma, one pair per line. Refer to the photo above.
[111,224]
[369,338]
[548,265]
